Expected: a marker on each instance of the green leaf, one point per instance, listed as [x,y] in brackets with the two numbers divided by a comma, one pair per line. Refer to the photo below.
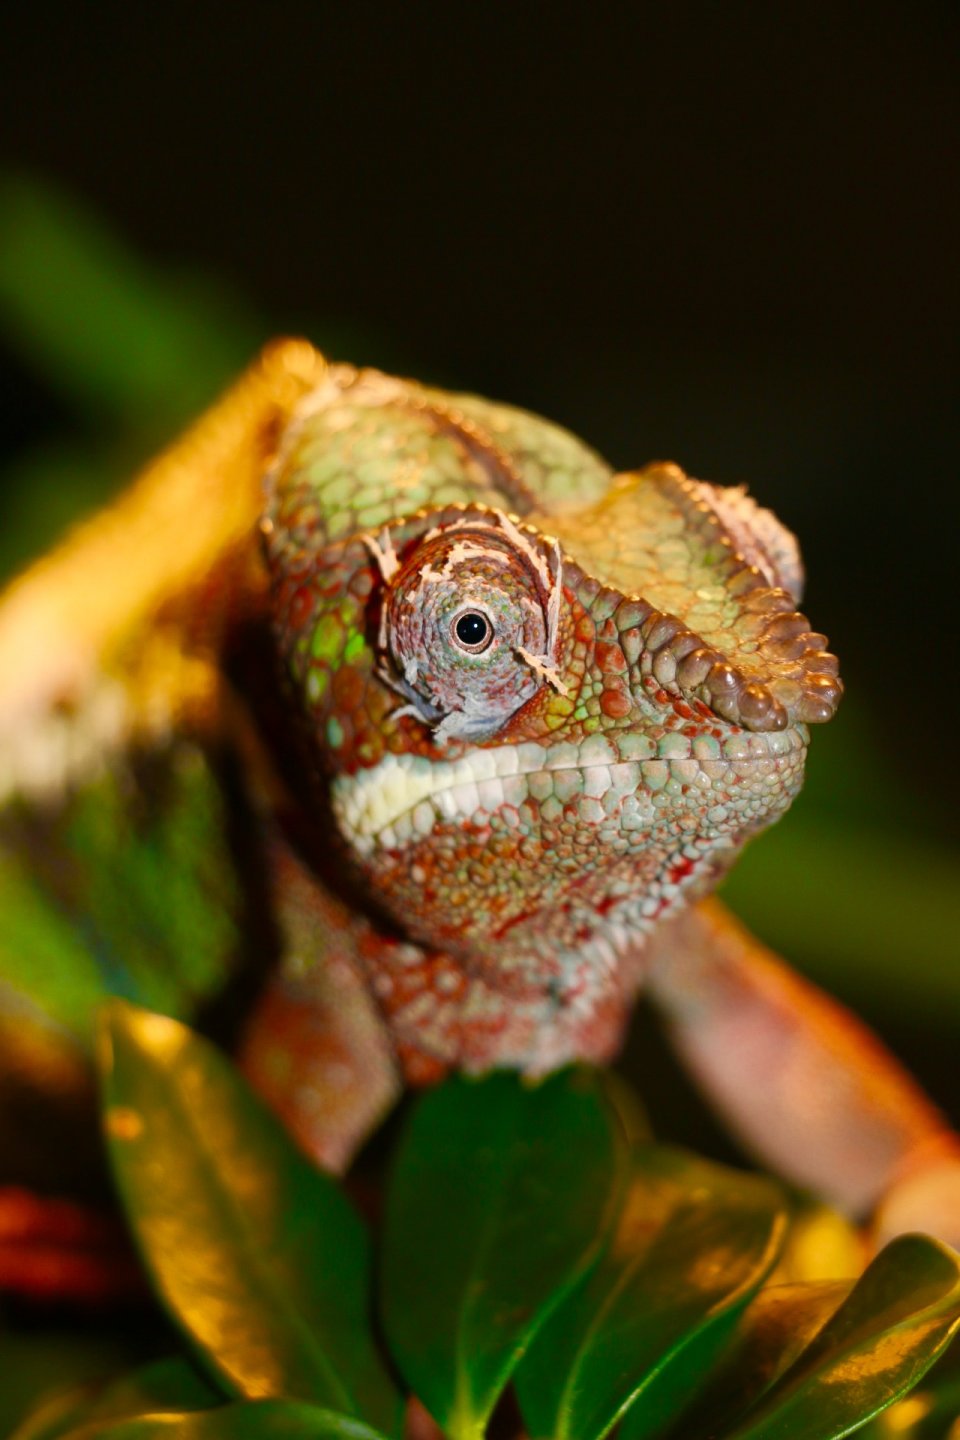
[692,1245]
[257,1254]
[895,1322]
[500,1196]
[165,1385]
[252,1420]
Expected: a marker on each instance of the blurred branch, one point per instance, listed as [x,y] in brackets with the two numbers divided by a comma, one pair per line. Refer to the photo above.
[128,344]
[877,914]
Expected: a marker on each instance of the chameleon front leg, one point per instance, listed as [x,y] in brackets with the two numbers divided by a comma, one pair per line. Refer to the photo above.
[804,1084]
[316,1048]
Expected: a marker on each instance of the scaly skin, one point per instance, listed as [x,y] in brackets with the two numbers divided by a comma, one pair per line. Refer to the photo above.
[481,719]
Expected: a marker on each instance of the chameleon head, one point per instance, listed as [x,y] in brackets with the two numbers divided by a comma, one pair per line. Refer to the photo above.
[551,701]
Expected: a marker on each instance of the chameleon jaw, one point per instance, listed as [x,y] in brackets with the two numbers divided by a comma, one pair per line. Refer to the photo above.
[405,797]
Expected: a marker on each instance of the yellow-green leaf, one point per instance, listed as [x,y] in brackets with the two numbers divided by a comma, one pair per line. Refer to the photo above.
[257,1254]
[775,1328]
[896,1320]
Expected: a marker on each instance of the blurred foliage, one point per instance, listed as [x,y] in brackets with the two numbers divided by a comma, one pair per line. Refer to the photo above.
[129,346]
[526,1238]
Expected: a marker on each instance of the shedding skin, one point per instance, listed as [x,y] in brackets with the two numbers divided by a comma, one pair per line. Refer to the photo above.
[497,720]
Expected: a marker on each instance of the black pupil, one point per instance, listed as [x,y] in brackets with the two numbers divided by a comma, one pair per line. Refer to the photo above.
[472,629]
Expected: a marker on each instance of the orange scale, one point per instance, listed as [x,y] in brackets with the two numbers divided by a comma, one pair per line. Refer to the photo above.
[610,658]
[349,688]
[418,1069]
[361,584]
[614,704]
[347,734]
[300,607]
[368,748]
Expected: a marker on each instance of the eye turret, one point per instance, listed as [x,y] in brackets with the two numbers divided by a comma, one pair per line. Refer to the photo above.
[468,627]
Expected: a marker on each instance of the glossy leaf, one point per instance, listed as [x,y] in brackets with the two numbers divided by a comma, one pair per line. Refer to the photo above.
[775,1328]
[257,1254]
[499,1198]
[624,1099]
[895,1322]
[692,1244]
[252,1420]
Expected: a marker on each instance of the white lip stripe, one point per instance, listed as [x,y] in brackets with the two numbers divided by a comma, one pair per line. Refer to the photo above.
[370,799]
[378,803]
[373,800]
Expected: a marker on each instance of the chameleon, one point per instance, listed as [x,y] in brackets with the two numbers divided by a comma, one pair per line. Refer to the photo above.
[401,713]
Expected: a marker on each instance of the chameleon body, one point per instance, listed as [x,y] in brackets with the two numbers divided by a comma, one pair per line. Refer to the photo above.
[410,696]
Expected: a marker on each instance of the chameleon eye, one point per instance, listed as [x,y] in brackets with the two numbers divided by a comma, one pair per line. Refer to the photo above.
[472,631]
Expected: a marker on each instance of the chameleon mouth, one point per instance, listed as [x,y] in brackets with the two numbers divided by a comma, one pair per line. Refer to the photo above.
[405,797]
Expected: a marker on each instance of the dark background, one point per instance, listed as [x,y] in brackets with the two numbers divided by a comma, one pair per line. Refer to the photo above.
[724,234]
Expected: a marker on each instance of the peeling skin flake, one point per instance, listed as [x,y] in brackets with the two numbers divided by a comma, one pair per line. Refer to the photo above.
[383,553]
[545,668]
